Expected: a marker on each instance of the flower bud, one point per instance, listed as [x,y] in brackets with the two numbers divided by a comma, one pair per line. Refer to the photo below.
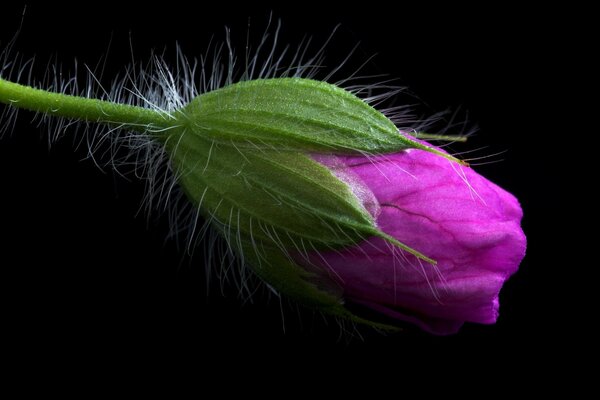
[266,162]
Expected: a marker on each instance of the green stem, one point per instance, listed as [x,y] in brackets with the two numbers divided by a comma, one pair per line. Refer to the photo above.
[75,107]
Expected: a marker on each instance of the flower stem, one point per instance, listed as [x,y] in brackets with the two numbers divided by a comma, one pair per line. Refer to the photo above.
[82,108]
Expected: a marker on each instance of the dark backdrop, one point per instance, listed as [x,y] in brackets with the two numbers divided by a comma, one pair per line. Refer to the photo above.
[86,278]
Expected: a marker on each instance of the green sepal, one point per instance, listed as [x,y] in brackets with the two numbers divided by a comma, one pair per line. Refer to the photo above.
[295,114]
[269,195]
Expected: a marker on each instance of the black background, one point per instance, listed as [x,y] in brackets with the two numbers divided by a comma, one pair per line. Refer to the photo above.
[86,280]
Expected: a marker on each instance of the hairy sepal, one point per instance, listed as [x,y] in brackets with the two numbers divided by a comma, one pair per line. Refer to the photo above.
[295,114]
[278,196]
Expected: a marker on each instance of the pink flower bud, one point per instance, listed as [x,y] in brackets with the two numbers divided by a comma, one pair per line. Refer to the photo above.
[470,226]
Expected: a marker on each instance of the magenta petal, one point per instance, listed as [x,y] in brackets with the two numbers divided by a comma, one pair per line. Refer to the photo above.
[470,226]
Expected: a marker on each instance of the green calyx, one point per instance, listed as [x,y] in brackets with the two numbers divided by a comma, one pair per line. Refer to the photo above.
[242,156]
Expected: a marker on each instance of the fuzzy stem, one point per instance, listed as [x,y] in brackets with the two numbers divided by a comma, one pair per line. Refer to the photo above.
[75,107]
